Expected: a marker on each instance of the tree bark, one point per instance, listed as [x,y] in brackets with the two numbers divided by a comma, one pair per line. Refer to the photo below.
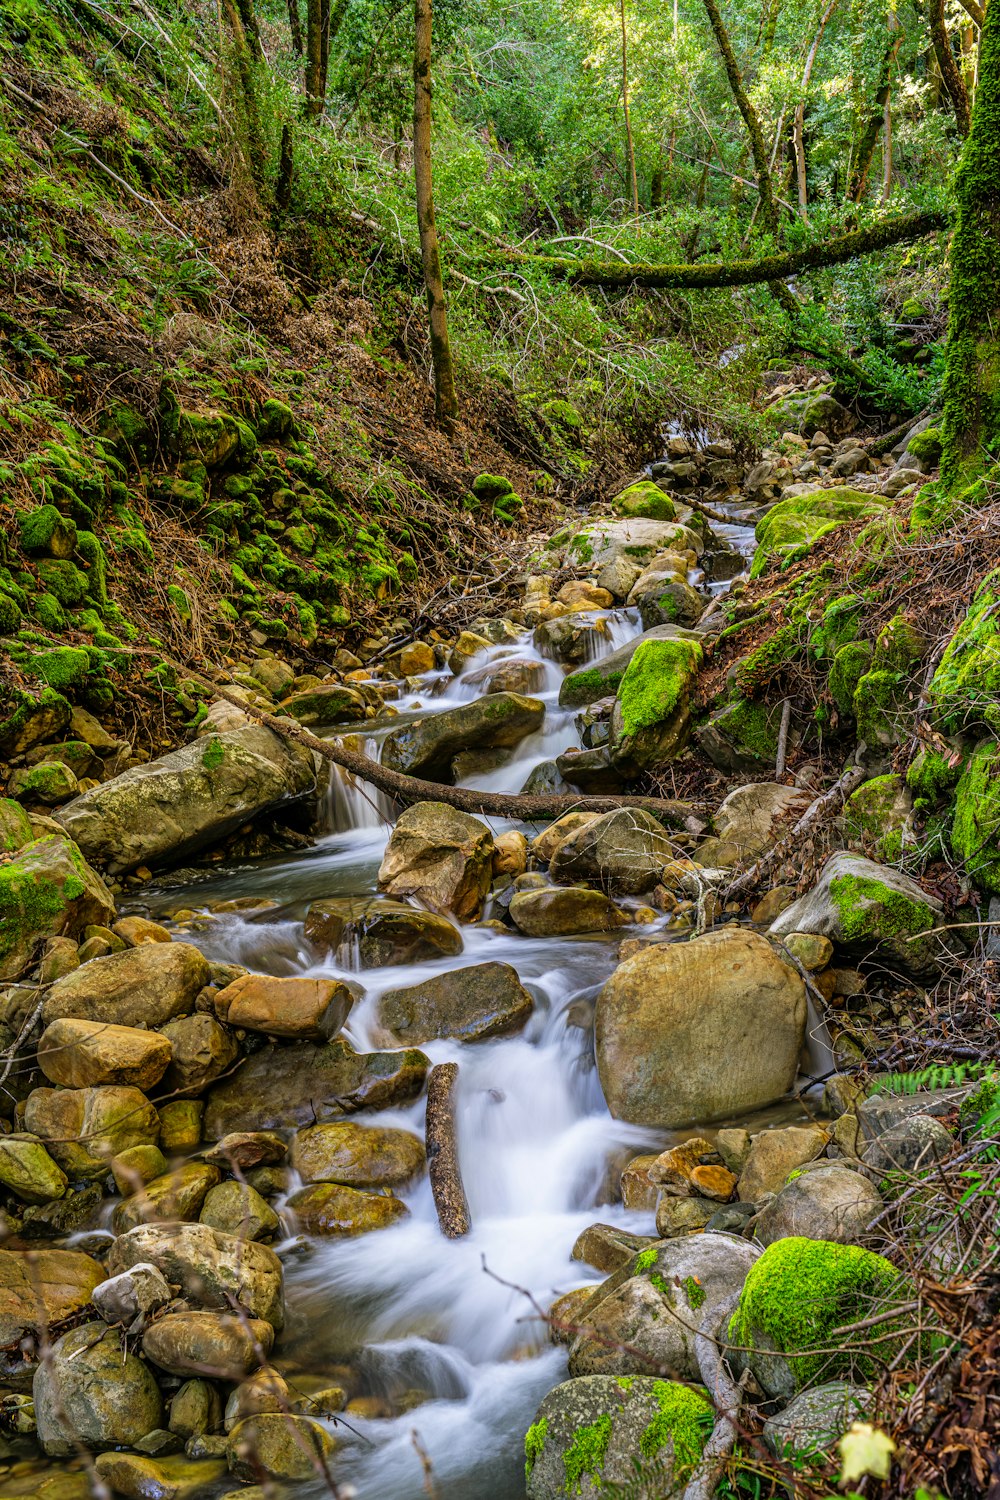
[951,73]
[629,144]
[315,98]
[295,25]
[445,397]
[251,28]
[872,128]
[442,1153]
[975,10]
[243,56]
[743,272]
[972,367]
[758,146]
[799,120]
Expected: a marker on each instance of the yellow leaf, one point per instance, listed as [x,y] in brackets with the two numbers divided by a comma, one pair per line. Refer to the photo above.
[865,1450]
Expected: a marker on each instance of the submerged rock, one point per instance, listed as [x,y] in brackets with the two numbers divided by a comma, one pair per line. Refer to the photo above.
[171,1477]
[440,856]
[47,890]
[483,1000]
[386,932]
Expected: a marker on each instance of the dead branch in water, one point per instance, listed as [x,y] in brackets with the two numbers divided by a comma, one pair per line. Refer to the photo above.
[442,1153]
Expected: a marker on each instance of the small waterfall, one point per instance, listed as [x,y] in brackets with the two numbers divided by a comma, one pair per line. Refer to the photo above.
[350,804]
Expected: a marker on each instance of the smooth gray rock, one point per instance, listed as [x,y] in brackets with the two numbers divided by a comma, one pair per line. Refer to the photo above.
[825,1202]
[812,1422]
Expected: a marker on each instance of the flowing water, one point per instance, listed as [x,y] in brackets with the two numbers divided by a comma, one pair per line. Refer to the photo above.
[455,1320]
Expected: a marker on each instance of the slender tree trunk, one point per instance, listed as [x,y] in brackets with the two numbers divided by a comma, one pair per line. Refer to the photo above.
[286,169]
[872,128]
[324,49]
[758,146]
[951,73]
[975,10]
[295,25]
[254,146]
[972,369]
[251,29]
[314,58]
[799,121]
[445,397]
[629,144]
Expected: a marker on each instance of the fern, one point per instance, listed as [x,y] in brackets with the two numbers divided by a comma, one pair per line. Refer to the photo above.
[938,1076]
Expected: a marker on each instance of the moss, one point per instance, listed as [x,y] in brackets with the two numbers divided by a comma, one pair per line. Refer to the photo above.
[760,666]
[64,668]
[89,548]
[10,614]
[876,815]
[926,446]
[534,1442]
[33,896]
[213,754]
[586,1453]
[656,680]
[880,700]
[645,1261]
[800,1292]
[179,601]
[792,527]
[63,579]
[932,774]
[900,646]
[47,529]
[685,1418]
[646,500]
[694,1291]
[751,729]
[849,666]
[872,912]
[965,689]
[840,624]
[490,487]
[975,831]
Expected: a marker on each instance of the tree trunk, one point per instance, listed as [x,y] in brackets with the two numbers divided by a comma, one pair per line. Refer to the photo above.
[799,121]
[441,1137]
[445,398]
[872,128]
[315,69]
[251,29]
[286,169]
[629,144]
[951,73]
[758,146]
[972,367]
[975,10]
[324,48]
[242,56]
[295,25]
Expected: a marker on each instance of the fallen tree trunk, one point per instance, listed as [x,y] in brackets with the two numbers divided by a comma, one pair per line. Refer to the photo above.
[742,272]
[442,1153]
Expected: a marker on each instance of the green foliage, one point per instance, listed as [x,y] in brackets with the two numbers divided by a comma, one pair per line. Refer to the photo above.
[937,1076]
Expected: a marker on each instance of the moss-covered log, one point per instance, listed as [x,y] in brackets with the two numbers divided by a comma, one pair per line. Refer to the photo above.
[744,272]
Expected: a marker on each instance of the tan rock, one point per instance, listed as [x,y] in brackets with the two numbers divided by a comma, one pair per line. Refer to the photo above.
[181,1125]
[85,1128]
[547,842]
[314,1009]
[811,950]
[148,985]
[178,1195]
[267,1390]
[772,904]
[673,1167]
[327,1208]
[82,1054]
[137,930]
[441,856]
[212,1269]
[362,1156]
[282,1446]
[733,1146]
[561,911]
[135,1166]
[212,1344]
[510,854]
[717,1183]
[41,1288]
[637,1188]
[202,1051]
[775,1153]
[578,594]
[468,645]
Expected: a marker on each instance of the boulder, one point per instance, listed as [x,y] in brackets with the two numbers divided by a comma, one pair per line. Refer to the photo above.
[142,1290]
[332,703]
[173,806]
[212,1269]
[913,1145]
[385,932]
[742,736]
[483,1000]
[439,856]
[207,1343]
[145,986]
[91,1391]
[651,720]
[511,674]
[195,1409]
[15,827]
[302,1009]
[602,678]
[598,1435]
[751,819]
[360,1156]
[82,1054]
[775,1153]
[426,746]
[811,1423]
[571,638]
[622,851]
[28,1171]
[202,1051]
[699,1031]
[47,890]
[562,911]
[168,1477]
[279,1446]
[237,1208]
[245,1149]
[176,1195]
[38,1290]
[264,1391]
[34,720]
[301,1083]
[607,1248]
[332,1210]
[638,539]
[85,1128]
[868,908]
[829,1202]
[510,854]
[793,526]
[545,844]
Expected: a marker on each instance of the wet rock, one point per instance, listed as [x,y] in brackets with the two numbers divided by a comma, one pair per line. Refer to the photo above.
[512,674]
[285,1087]
[915,1144]
[775,1153]
[699,1030]
[483,1000]
[591,771]
[667,600]
[237,1208]
[328,704]
[40,1288]
[180,1125]
[810,1425]
[145,986]
[543,780]
[621,851]
[577,593]
[121,1298]
[244,1149]
[81,1054]
[637,1189]
[361,1156]
[28,1171]
[263,1392]
[561,911]
[313,1009]
[85,1128]
[386,932]
[212,1269]
[172,806]
[91,1391]
[137,930]
[868,907]
[572,638]
[545,844]
[136,1477]
[440,856]
[135,1166]
[47,890]
[828,1202]
[607,1248]
[427,746]
[78,1210]
[281,1446]
[202,1050]
[178,1195]
[467,647]
[330,1209]
[207,1343]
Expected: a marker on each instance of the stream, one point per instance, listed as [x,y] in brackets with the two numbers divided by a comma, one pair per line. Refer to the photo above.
[455,1321]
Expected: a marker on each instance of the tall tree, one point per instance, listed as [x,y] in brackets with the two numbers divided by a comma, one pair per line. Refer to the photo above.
[629,144]
[951,73]
[874,121]
[445,398]
[799,120]
[758,146]
[315,58]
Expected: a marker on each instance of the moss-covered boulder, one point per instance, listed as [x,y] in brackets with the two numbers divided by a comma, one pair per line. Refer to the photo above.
[850,663]
[637,538]
[46,530]
[793,526]
[796,1303]
[883,706]
[32,718]
[334,704]
[965,690]
[600,1431]
[975,829]
[651,721]
[15,828]
[49,782]
[742,735]
[47,890]
[645,500]
[602,678]
[878,817]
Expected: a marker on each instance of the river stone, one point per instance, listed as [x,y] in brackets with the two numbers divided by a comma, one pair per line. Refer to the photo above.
[621,851]
[606,1247]
[636,538]
[136,930]
[775,1153]
[749,818]
[85,1128]
[38,1289]
[386,932]
[680,1216]
[47,890]
[512,674]
[177,1195]
[669,601]
[439,856]
[264,1391]
[868,907]
[91,1391]
[330,703]
[285,1087]
[245,1149]
[811,1423]
[27,1169]
[590,771]
[915,1144]
[361,1156]
[651,719]
[544,846]
[180,1125]
[121,1299]
[280,1446]
[483,1000]
[646,1315]
[828,1202]
[202,1051]
[237,1208]
[207,1343]
[173,806]
[562,911]
[137,1477]
[145,986]
[310,1009]
[699,1031]
[195,1409]
[15,826]
[427,746]
[212,1269]
[81,1054]
[571,638]
[330,1209]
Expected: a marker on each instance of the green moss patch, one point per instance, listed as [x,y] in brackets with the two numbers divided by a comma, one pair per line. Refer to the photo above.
[975,831]
[656,680]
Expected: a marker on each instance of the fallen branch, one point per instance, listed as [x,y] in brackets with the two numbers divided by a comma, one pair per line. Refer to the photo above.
[852,777]
[726,1396]
[442,1153]
[786,719]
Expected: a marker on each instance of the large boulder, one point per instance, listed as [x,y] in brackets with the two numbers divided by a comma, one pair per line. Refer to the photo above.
[301,1009]
[213,1269]
[828,1202]
[427,746]
[440,856]
[85,1128]
[47,890]
[91,1391]
[637,538]
[360,1156]
[750,820]
[83,1054]
[601,679]
[287,1087]
[38,1290]
[793,526]
[483,1000]
[173,806]
[622,851]
[651,720]
[699,1031]
[868,908]
[383,931]
[145,986]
